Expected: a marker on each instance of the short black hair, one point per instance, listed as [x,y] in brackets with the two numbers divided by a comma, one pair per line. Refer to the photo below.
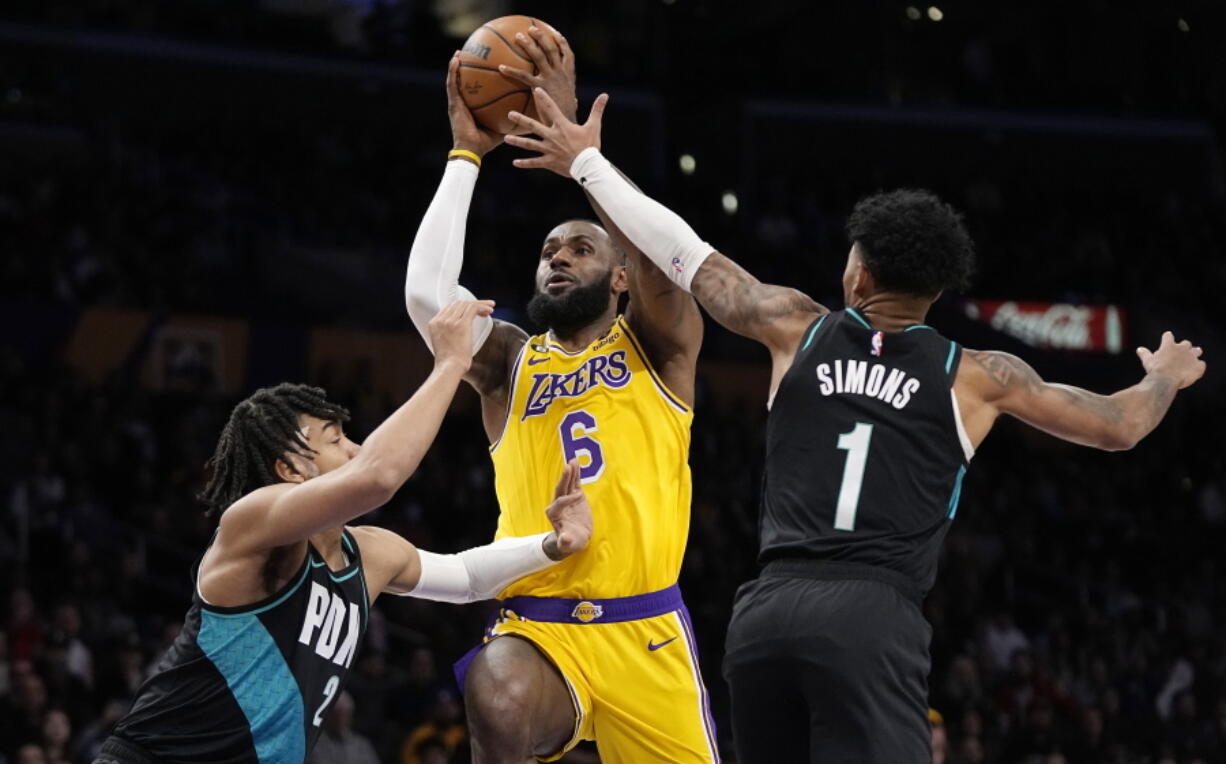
[912,242]
[261,430]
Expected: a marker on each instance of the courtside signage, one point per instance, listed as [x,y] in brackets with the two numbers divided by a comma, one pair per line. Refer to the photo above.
[1055,325]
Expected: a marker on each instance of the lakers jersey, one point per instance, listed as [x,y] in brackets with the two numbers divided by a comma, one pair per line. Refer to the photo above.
[607,407]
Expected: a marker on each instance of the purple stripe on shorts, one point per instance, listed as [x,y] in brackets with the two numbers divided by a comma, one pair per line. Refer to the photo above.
[709,720]
[579,612]
[613,610]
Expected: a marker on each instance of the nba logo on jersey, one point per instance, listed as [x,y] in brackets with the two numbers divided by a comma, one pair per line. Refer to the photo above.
[878,341]
[587,612]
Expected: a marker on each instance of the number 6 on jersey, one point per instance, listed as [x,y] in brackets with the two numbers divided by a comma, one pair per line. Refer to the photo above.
[578,443]
[855,443]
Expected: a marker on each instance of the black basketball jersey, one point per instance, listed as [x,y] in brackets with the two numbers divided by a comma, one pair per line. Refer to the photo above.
[252,684]
[865,451]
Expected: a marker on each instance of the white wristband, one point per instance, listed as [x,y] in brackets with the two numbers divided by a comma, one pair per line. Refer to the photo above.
[658,232]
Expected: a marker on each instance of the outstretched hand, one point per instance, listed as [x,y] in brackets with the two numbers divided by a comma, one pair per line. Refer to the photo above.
[466,134]
[1178,360]
[554,62]
[560,141]
[569,514]
[451,331]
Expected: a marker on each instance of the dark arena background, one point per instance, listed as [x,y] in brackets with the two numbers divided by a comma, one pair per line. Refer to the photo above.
[203,197]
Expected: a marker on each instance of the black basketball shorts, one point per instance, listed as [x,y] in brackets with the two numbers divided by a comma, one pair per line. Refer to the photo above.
[828,670]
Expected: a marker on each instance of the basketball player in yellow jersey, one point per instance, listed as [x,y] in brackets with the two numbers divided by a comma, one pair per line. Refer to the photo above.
[602,649]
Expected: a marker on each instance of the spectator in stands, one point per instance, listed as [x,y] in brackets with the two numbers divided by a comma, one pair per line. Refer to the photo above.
[444,724]
[78,660]
[57,736]
[25,628]
[940,738]
[27,705]
[94,734]
[31,753]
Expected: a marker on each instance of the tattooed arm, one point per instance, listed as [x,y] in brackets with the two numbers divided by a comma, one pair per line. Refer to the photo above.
[1001,383]
[773,315]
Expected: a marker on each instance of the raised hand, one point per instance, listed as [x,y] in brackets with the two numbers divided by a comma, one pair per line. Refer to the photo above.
[466,134]
[570,515]
[1178,360]
[561,140]
[451,331]
[555,67]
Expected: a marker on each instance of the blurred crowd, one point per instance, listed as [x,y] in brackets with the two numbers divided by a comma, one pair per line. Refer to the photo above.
[1076,616]
[198,207]
[1077,613]
[1086,55]
[173,229]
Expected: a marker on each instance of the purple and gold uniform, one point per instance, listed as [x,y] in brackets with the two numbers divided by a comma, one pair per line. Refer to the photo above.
[611,619]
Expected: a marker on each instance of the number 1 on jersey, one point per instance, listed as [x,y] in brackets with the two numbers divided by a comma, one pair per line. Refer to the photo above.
[855,443]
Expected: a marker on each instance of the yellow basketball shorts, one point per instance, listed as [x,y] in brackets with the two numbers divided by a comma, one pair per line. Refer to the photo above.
[631,664]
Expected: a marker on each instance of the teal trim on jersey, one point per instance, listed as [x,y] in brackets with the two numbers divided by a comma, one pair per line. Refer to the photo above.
[917,326]
[957,494]
[345,577]
[812,332]
[260,681]
[352,544]
[365,602]
[319,564]
[949,362]
[269,606]
[852,312]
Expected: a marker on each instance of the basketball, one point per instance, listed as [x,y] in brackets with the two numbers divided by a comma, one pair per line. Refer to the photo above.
[488,94]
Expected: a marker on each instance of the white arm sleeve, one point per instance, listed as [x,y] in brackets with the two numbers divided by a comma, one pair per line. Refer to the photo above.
[661,234]
[433,277]
[479,573]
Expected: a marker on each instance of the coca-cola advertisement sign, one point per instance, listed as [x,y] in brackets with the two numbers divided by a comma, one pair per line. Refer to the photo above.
[1056,325]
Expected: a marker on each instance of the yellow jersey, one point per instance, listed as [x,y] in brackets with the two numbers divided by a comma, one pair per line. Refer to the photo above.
[606,405]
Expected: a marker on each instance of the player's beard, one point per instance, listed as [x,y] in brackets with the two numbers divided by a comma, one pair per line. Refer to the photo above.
[572,310]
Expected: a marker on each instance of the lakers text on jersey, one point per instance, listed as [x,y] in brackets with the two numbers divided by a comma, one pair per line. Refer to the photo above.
[605,406]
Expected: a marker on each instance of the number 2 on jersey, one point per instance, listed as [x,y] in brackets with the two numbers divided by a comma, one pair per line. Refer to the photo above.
[577,442]
[329,692]
[855,443]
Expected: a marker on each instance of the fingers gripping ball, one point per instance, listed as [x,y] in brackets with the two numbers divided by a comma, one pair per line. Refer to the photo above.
[487,93]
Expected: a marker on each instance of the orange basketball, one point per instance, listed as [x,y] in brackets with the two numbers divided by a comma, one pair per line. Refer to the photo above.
[490,95]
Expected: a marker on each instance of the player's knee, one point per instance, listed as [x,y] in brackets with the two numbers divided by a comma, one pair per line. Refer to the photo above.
[499,696]
[506,706]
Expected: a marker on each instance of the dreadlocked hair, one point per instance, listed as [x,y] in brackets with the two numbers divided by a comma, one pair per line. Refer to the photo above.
[260,431]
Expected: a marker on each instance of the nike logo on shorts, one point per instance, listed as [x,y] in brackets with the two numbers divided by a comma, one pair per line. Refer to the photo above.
[653,646]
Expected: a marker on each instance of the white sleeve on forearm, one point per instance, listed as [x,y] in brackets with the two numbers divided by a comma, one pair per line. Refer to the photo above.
[433,278]
[661,234]
[480,573]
